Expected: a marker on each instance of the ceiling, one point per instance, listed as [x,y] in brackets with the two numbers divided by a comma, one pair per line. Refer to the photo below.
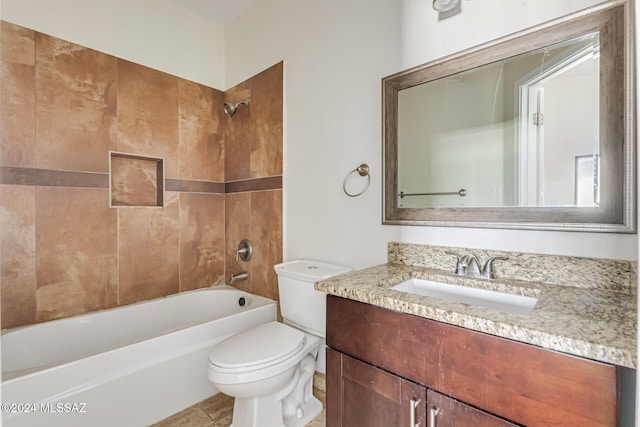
[220,12]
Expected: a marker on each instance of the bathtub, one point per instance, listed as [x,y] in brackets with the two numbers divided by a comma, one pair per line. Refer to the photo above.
[127,366]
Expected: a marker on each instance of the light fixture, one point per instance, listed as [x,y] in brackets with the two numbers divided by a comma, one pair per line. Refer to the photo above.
[445,5]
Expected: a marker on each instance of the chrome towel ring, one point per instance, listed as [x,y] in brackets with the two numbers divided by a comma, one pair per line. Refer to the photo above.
[363,170]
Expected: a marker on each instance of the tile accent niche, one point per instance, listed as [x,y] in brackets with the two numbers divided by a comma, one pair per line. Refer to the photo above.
[136,181]
[82,132]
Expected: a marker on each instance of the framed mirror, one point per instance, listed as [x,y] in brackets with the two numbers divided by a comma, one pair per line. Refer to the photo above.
[532,131]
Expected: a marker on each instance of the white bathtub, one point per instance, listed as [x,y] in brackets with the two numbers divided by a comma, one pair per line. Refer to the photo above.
[128,366]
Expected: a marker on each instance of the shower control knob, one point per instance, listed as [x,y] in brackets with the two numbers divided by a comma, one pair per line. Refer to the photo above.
[244,251]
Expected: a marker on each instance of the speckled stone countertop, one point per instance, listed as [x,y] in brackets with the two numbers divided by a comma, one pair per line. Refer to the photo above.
[591,321]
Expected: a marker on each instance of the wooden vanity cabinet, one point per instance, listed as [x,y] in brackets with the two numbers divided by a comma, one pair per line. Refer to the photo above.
[379,360]
[443,411]
[361,395]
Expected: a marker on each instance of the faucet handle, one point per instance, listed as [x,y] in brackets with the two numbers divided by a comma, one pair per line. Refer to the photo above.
[244,251]
[459,268]
[487,270]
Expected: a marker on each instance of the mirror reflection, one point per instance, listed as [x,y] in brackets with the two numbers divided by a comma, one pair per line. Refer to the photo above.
[535,130]
[522,131]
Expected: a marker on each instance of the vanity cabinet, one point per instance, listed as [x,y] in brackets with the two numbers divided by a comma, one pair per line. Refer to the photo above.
[380,361]
[365,396]
[444,411]
[362,395]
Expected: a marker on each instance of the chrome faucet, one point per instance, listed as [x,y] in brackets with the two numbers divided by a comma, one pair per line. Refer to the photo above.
[487,270]
[468,265]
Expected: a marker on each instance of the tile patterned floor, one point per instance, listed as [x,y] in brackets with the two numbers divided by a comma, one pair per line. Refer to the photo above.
[217,411]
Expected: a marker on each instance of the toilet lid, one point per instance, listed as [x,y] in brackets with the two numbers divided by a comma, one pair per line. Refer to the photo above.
[266,344]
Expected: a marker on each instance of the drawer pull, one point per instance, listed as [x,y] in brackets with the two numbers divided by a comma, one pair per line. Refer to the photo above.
[412,415]
[432,417]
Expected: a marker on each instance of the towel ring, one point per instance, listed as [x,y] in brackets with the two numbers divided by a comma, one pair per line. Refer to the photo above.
[363,170]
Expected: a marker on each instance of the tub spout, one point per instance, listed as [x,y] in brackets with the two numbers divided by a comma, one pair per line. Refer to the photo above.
[238,277]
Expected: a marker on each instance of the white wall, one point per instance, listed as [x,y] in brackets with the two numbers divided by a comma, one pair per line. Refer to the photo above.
[336,52]
[155,33]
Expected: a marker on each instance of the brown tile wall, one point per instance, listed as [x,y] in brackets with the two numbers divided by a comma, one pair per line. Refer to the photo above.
[63,250]
[253,175]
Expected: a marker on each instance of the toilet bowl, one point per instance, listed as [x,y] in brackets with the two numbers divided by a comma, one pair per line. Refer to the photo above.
[263,369]
[269,369]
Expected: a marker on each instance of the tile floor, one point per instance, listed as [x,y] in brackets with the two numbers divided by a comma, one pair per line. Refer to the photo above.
[217,410]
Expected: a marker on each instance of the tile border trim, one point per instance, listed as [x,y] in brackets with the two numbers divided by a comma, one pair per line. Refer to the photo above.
[52,178]
[187,186]
[256,184]
[12,175]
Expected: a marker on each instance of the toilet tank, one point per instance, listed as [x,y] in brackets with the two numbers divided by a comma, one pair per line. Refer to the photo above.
[300,304]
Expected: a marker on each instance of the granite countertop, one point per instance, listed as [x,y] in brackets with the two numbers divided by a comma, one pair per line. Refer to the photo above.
[598,324]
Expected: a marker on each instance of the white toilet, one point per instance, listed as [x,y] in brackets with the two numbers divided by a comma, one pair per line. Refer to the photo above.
[269,369]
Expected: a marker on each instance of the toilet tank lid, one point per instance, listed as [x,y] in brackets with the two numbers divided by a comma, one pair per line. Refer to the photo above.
[310,270]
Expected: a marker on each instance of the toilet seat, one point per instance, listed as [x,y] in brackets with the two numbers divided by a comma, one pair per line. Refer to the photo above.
[258,348]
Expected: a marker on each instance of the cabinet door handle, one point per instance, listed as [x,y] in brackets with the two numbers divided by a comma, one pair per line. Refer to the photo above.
[412,415]
[432,417]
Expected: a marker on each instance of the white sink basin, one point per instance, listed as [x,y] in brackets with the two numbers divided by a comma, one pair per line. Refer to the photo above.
[517,304]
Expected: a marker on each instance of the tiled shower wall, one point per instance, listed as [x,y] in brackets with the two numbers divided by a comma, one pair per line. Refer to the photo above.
[253,161]
[64,250]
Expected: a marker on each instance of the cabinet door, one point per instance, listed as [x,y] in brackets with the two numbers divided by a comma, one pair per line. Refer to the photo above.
[361,395]
[443,411]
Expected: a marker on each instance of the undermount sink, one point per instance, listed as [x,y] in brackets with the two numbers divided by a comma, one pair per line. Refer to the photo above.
[517,304]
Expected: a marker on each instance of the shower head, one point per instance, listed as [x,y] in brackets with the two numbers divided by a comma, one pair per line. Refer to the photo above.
[230,109]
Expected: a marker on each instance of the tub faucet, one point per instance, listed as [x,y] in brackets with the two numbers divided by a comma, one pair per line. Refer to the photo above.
[468,265]
[237,277]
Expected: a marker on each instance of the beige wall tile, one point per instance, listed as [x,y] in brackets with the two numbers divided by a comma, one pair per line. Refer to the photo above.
[18,44]
[201,240]
[266,122]
[64,251]
[237,135]
[148,114]
[254,150]
[75,106]
[201,133]
[18,255]
[149,251]
[253,137]
[76,268]
[237,227]
[136,181]
[17,96]
[256,216]
[266,237]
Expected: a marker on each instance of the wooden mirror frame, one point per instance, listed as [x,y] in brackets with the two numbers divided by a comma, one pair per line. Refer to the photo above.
[617,211]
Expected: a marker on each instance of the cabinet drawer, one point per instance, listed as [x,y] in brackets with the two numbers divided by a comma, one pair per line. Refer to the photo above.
[519,382]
